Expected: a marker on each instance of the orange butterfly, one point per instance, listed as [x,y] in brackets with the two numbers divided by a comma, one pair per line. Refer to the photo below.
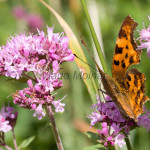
[126,88]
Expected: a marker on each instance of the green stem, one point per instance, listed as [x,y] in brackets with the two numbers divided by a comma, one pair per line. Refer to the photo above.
[30,77]
[54,128]
[7,147]
[128,143]
[112,148]
[14,140]
[95,39]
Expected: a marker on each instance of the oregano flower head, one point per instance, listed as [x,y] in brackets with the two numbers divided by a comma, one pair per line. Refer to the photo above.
[41,54]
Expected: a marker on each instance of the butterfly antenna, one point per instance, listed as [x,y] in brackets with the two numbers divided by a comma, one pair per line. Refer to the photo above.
[84,62]
[100,71]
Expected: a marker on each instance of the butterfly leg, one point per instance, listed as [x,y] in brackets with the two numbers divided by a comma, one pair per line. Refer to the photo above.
[104,92]
[101,92]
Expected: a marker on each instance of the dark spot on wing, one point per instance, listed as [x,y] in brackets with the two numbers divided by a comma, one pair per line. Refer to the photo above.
[132,41]
[142,88]
[123,64]
[125,36]
[118,50]
[116,62]
[138,93]
[123,84]
[127,47]
[135,82]
[128,84]
[135,77]
[126,56]
[129,78]
[136,99]
[122,33]
[142,101]
[131,60]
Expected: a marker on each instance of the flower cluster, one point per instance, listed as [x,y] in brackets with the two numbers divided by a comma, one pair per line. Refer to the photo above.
[42,55]
[109,139]
[144,39]
[34,53]
[112,122]
[8,117]
[33,20]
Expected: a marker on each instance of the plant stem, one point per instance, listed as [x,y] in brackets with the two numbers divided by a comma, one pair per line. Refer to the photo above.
[55,130]
[111,148]
[97,45]
[128,143]
[7,147]
[30,77]
[14,139]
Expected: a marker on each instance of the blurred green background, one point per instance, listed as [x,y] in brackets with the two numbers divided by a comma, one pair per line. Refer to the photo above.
[107,16]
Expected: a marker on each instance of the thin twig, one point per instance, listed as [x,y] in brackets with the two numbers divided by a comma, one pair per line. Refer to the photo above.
[30,78]
[55,130]
[14,139]
[7,147]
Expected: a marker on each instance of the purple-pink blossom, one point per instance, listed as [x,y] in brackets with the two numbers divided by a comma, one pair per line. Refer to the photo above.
[26,53]
[144,39]
[4,124]
[113,124]
[32,20]
[42,55]
[8,117]
[59,107]
[39,112]
[19,12]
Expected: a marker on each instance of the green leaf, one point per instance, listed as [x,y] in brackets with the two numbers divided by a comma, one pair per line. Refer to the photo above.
[95,39]
[95,147]
[26,142]
[76,49]
[93,136]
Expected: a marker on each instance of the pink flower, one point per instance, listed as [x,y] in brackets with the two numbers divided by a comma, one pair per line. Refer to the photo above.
[32,96]
[59,107]
[107,115]
[23,54]
[34,21]
[8,117]
[55,66]
[144,120]
[39,112]
[19,12]
[105,137]
[119,140]
[41,55]
[95,117]
[4,124]
[144,39]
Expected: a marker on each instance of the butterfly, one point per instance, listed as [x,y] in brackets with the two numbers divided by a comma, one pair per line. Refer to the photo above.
[126,88]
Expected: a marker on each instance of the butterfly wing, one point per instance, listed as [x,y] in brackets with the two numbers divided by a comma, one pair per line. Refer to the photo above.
[134,84]
[125,53]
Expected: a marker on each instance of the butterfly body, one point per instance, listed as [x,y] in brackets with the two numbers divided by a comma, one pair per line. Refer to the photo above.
[117,94]
[126,88]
